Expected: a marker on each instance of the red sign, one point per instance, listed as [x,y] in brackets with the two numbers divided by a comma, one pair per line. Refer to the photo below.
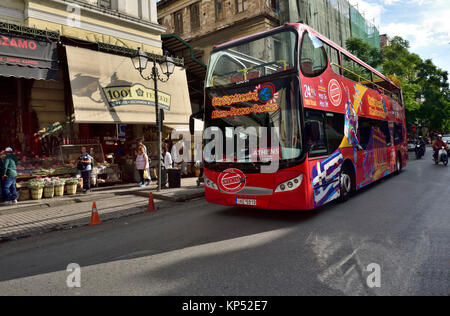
[232,180]
[17,50]
[17,42]
[335,92]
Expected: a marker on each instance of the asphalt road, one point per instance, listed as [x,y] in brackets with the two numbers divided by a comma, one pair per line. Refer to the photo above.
[400,224]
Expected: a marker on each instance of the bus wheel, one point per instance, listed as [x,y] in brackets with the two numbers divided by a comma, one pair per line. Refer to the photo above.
[346,184]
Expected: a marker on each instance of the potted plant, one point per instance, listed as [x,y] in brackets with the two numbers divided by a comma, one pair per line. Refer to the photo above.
[59,186]
[49,188]
[71,186]
[24,191]
[197,167]
[37,188]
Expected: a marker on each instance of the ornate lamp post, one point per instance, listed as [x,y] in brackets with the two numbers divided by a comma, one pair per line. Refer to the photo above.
[167,65]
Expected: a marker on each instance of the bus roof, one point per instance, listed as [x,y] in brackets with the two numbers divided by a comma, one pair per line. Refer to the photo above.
[303,27]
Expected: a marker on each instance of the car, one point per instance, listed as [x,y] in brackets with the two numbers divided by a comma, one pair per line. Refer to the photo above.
[446,139]
[411,145]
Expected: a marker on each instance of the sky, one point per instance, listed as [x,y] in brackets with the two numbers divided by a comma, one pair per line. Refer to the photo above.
[424,23]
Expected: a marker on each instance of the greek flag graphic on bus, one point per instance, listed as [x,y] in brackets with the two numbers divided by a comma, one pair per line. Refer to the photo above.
[325,179]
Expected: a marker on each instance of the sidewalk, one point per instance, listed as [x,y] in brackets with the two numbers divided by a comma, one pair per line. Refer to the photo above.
[33,217]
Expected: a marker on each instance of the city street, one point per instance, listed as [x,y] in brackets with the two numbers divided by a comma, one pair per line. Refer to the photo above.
[400,224]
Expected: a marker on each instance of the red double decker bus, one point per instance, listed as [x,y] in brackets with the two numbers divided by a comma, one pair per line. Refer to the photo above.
[340,123]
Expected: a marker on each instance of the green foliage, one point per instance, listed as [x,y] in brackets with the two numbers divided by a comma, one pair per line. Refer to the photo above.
[360,48]
[425,87]
[35,184]
[426,93]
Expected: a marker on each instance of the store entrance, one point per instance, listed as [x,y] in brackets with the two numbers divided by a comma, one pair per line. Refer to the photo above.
[9,112]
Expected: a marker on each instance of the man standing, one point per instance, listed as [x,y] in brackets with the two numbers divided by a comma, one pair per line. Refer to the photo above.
[9,176]
[166,163]
[86,161]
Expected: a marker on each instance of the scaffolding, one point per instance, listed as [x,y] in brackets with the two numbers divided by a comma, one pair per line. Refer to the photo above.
[364,29]
[335,19]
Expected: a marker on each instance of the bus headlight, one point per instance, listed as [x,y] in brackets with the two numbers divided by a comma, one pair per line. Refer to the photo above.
[210,184]
[290,184]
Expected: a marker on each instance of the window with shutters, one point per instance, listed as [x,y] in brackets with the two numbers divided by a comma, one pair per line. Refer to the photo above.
[195,16]
[178,21]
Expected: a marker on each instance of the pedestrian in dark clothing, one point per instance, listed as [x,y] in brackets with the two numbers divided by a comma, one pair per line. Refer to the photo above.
[85,166]
[9,176]
[1,176]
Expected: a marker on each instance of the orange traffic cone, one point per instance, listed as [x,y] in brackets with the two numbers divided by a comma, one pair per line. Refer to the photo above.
[95,220]
[151,204]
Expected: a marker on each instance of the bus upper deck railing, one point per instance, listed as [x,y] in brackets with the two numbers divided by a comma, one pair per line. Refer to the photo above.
[366,81]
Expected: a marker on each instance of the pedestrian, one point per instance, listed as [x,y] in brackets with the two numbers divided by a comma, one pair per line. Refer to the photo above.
[1,176]
[166,163]
[141,143]
[142,165]
[85,163]
[9,176]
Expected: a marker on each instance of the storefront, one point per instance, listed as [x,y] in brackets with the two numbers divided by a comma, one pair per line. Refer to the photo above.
[57,98]
[30,82]
[113,103]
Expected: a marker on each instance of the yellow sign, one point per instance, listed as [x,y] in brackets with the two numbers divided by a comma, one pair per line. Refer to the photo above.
[136,94]
[377,107]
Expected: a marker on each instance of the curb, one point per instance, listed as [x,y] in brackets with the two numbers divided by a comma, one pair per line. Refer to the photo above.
[180,198]
[55,203]
[82,222]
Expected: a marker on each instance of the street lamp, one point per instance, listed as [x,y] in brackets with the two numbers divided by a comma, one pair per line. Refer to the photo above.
[167,65]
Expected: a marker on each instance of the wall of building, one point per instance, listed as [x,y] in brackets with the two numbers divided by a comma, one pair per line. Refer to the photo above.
[12,11]
[48,99]
[335,19]
[125,23]
[257,16]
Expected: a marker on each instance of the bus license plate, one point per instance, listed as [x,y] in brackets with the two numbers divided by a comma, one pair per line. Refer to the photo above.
[249,202]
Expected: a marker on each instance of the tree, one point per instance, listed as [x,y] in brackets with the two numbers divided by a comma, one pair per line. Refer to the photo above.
[434,85]
[425,87]
[364,51]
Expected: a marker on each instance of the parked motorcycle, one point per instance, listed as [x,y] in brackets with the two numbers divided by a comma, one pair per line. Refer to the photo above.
[442,156]
[420,151]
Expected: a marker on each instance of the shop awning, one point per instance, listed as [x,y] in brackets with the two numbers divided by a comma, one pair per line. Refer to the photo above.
[198,126]
[107,89]
[23,57]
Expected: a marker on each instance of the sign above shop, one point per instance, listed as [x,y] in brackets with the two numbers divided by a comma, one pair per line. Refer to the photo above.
[135,94]
[106,89]
[28,58]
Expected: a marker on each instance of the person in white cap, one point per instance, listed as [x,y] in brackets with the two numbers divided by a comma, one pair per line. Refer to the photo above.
[9,176]
[437,145]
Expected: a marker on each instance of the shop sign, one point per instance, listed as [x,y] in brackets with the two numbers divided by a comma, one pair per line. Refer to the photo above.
[136,94]
[15,50]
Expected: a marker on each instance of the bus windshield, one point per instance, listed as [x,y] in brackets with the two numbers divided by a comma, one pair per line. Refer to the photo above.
[252,59]
[282,116]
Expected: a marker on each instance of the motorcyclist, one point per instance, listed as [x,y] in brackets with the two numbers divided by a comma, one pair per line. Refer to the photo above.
[437,145]
[421,142]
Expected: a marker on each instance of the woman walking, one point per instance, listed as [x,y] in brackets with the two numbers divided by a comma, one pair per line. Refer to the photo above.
[142,164]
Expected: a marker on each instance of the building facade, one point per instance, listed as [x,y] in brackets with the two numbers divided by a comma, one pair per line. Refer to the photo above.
[66,73]
[195,26]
